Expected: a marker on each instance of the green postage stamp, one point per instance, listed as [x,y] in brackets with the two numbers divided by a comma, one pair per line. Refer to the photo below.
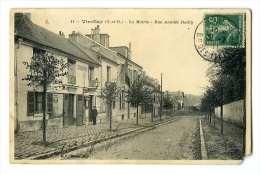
[224,30]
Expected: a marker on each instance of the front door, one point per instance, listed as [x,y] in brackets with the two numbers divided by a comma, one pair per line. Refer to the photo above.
[90,109]
[68,106]
[65,110]
[79,113]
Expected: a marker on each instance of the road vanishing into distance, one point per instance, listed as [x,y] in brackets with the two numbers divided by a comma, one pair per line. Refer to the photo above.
[176,140]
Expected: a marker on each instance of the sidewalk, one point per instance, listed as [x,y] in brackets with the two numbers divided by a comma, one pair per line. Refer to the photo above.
[29,145]
[228,146]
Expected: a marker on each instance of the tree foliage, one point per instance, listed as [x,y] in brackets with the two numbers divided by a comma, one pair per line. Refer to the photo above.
[167,101]
[110,92]
[138,93]
[229,73]
[44,69]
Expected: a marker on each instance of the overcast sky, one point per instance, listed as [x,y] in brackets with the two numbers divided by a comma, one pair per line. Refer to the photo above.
[158,48]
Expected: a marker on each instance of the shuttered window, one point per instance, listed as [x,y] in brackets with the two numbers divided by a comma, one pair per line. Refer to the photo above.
[30,103]
[49,102]
[38,104]
[34,103]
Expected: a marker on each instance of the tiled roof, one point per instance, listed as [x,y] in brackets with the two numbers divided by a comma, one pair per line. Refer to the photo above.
[25,28]
[86,51]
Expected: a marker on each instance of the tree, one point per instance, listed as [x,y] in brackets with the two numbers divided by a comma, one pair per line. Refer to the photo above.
[44,69]
[229,71]
[110,93]
[228,78]
[167,101]
[138,94]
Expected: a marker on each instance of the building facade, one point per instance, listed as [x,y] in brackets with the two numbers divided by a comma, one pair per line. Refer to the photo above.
[67,104]
[179,99]
[91,64]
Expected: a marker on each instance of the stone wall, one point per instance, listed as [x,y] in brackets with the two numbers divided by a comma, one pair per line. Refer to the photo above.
[232,112]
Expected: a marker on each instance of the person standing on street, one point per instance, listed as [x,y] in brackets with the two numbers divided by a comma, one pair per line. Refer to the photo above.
[94,115]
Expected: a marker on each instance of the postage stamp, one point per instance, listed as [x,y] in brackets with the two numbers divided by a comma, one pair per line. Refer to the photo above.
[224,30]
[218,31]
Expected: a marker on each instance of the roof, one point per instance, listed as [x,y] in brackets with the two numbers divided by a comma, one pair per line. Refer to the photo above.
[86,51]
[119,47]
[129,61]
[151,85]
[89,35]
[25,28]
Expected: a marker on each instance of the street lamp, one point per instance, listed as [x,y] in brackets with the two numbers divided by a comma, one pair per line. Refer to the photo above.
[96,83]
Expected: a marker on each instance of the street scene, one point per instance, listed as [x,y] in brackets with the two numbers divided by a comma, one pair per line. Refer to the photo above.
[130,86]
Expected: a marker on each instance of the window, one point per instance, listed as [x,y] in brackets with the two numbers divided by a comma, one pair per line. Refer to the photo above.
[135,74]
[126,53]
[106,42]
[114,104]
[37,52]
[108,73]
[143,109]
[103,106]
[34,103]
[123,100]
[131,76]
[38,102]
[71,71]
[122,73]
[120,101]
[91,73]
[70,105]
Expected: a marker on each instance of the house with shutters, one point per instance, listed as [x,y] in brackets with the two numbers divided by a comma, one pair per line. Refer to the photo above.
[68,103]
[179,99]
[113,66]
[91,64]
[124,109]
[151,109]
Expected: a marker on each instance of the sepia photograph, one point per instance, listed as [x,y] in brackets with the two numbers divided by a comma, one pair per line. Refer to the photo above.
[130,86]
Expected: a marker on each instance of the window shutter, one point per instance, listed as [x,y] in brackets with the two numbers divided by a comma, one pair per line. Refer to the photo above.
[49,102]
[30,103]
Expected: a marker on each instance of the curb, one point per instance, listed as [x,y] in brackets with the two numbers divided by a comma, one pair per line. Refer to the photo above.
[202,144]
[91,143]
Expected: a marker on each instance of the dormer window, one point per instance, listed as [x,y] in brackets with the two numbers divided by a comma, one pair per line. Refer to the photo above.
[106,42]
[126,53]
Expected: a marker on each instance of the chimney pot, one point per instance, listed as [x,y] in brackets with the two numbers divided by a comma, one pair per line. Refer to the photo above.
[73,32]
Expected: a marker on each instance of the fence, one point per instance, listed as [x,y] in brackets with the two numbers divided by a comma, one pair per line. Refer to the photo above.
[232,112]
[181,112]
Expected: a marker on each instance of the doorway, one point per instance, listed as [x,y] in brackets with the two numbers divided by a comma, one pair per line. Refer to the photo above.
[68,107]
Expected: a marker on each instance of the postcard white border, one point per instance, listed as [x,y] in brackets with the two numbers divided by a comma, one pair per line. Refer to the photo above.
[250,165]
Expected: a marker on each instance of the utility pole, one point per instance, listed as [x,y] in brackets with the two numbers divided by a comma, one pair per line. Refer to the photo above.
[222,100]
[221,111]
[161,99]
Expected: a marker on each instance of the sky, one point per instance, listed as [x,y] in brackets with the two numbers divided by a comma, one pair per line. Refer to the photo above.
[157,47]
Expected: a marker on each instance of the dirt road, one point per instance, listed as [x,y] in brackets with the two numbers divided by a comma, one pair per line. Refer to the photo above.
[171,141]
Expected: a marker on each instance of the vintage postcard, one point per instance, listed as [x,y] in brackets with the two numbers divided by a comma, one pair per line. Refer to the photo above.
[142,86]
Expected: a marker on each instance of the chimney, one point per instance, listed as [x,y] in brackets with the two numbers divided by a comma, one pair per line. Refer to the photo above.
[95,34]
[61,34]
[129,51]
[74,36]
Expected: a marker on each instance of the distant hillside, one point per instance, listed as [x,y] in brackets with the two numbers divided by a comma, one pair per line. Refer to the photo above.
[193,100]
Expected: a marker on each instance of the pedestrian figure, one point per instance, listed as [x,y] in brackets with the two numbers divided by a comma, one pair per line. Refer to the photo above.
[94,115]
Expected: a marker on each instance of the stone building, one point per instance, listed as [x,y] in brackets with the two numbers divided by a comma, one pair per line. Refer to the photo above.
[92,64]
